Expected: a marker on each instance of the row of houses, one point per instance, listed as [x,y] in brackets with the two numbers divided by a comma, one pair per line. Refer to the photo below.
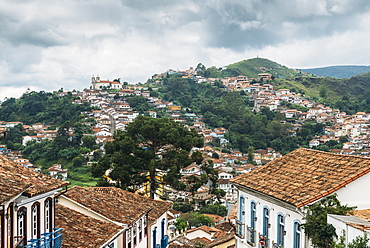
[40,211]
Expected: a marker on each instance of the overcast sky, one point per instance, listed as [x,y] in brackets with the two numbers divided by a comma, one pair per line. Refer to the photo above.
[47,45]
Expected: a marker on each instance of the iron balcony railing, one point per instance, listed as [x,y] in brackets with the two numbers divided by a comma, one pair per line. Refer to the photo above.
[240,229]
[275,245]
[251,236]
[18,241]
[48,240]
[264,242]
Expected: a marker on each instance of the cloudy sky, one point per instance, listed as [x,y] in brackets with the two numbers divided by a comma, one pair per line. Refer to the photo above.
[47,45]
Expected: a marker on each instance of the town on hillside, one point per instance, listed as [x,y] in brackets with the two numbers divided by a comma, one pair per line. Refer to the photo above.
[266,194]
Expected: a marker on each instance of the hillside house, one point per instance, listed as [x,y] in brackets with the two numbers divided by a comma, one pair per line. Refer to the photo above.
[272,198]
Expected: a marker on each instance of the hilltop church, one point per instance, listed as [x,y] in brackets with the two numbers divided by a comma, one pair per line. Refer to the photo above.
[98,84]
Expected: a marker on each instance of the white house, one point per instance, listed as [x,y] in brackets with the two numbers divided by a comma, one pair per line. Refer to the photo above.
[142,221]
[27,200]
[272,198]
[349,226]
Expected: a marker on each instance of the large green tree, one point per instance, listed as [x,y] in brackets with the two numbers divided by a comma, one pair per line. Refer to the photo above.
[316,227]
[149,150]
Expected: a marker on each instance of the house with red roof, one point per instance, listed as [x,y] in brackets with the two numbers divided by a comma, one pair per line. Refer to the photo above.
[27,211]
[137,221]
[272,198]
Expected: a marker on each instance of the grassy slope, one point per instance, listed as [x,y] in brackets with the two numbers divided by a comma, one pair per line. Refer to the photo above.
[356,88]
[250,68]
[338,71]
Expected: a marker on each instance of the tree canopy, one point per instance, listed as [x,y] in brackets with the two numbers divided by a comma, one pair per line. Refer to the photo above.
[316,227]
[151,150]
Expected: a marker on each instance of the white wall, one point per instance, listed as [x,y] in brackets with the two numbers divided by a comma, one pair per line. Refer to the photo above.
[289,216]
[350,232]
[157,224]
[356,193]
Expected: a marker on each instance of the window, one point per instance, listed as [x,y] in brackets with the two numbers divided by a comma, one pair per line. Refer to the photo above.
[266,222]
[253,215]
[111,245]
[35,221]
[134,234]
[128,236]
[21,222]
[48,211]
[241,208]
[280,230]
[140,229]
[253,221]
[145,225]
[297,235]
[162,228]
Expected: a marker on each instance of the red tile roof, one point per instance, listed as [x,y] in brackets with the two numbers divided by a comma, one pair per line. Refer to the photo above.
[157,207]
[123,210]
[304,176]
[15,179]
[82,231]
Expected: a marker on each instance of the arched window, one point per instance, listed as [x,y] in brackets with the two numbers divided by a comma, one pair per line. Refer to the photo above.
[253,221]
[241,208]
[35,221]
[154,237]
[265,222]
[280,229]
[163,228]
[48,215]
[140,230]
[297,235]
[134,231]
[128,237]
[22,224]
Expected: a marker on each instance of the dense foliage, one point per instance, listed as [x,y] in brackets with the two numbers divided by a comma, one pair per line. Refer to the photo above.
[350,94]
[316,227]
[71,142]
[146,147]
[233,111]
[252,67]
[42,107]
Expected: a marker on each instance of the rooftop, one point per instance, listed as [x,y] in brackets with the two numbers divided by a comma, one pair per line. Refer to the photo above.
[304,176]
[82,231]
[16,179]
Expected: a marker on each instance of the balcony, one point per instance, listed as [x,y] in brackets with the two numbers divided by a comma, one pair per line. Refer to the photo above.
[48,240]
[164,242]
[240,229]
[251,236]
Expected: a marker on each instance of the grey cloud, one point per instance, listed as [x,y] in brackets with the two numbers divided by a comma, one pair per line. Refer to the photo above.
[254,24]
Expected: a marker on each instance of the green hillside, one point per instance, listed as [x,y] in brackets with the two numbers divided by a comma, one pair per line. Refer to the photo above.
[346,71]
[350,94]
[252,67]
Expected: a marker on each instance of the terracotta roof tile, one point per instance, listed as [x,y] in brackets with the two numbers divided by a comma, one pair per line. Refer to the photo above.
[305,175]
[157,207]
[82,231]
[118,209]
[15,179]
[225,238]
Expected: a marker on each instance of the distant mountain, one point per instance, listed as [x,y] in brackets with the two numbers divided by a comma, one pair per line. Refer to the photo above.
[345,71]
[252,67]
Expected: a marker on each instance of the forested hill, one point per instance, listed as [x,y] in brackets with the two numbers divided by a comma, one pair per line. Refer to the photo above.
[252,67]
[233,110]
[348,94]
[346,71]
[43,107]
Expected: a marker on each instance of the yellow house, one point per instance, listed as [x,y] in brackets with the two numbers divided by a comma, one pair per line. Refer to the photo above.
[174,108]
